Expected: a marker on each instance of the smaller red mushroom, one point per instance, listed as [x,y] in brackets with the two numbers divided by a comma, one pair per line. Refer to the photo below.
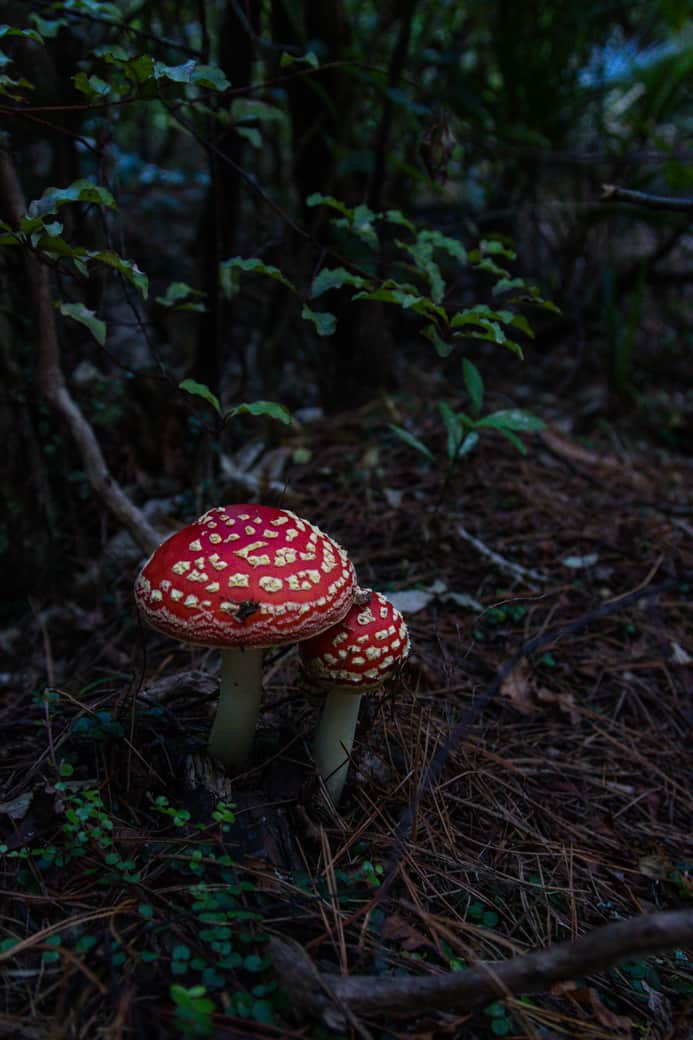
[349,659]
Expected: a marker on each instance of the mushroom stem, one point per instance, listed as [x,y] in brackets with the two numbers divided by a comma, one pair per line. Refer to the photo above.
[334,739]
[240,693]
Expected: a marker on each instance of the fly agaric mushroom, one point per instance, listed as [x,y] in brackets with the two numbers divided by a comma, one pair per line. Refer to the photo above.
[241,578]
[352,658]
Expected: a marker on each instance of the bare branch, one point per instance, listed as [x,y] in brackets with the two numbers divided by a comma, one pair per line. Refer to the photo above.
[52,380]
[641,198]
[516,569]
[330,996]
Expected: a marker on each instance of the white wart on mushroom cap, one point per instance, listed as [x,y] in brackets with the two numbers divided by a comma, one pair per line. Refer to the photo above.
[246,575]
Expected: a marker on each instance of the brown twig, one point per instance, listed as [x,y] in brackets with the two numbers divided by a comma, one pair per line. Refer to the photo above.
[52,381]
[534,972]
[614,193]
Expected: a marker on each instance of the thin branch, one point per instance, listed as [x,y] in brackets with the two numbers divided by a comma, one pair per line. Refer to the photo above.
[329,995]
[614,193]
[52,380]
[516,569]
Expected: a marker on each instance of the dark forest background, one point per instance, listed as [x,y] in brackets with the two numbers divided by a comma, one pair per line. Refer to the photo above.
[421,272]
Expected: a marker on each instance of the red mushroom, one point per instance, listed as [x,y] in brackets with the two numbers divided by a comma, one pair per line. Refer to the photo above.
[352,658]
[241,578]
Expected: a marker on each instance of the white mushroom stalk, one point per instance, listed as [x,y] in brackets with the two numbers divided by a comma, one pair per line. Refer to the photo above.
[243,578]
[334,739]
[240,696]
[351,658]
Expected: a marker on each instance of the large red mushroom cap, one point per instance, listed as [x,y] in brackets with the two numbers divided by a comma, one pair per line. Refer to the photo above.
[362,650]
[246,575]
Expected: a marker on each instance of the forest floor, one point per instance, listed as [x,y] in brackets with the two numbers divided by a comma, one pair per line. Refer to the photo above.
[562,803]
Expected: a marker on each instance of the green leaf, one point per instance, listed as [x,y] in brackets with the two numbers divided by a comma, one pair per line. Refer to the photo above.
[210,77]
[395,216]
[514,440]
[138,69]
[512,419]
[391,292]
[182,297]
[309,58]
[469,442]
[128,268]
[79,191]
[227,268]
[491,247]
[262,1012]
[270,408]
[334,278]
[455,430]
[520,322]
[443,347]
[361,224]
[325,323]
[48,28]
[493,331]
[245,110]
[474,384]
[93,86]
[251,134]
[421,252]
[439,241]
[412,441]
[78,312]
[12,88]
[190,386]
[318,199]
[146,910]
[27,34]
[489,265]
[175,73]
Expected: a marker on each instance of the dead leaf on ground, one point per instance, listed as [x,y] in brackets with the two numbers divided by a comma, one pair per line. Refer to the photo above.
[516,688]
[521,688]
[565,701]
[620,1027]
[655,866]
[658,1004]
[679,655]
[397,929]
